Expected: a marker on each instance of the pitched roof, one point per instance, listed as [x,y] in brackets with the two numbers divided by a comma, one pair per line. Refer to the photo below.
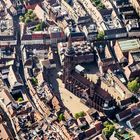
[82,79]
[5,133]
[125,102]
[90,132]
[124,114]
[6,97]
[98,126]
[55,103]
[123,87]
[138,104]
[103,93]
[14,78]
[135,121]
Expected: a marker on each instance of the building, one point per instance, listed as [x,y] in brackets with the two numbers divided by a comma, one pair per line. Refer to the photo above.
[15,7]
[124,114]
[7,30]
[82,87]
[6,97]
[122,48]
[14,79]
[115,33]
[133,68]
[113,27]
[136,5]
[82,49]
[5,133]
[7,57]
[40,12]
[31,4]
[118,81]
[104,56]
[129,16]
[133,122]
[90,30]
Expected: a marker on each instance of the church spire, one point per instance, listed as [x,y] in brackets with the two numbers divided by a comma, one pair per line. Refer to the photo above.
[70,50]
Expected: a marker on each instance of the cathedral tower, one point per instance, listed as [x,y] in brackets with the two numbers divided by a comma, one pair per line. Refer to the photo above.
[69,62]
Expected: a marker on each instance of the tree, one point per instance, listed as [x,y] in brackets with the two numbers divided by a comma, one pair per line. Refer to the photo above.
[61,117]
[111,128]
[108,130]
[106,123]
[20,99]
[43,25]
[27,20]
[76,115]
[100,35]
[133,86]
[97,2]
[30,11]
[32,16]
[38,27]
[101,6]
[22,19]
[80,114]
[34,81]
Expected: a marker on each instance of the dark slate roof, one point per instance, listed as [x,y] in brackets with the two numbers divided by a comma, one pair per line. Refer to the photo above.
[131,15]
[105,12]
[77,34]
[8,37]
[93,33]
[103,93]
[135,121]
[125,102]
[124,9]
[34,1]
[82,79]
[115,31]
[84,19]
[125,113]
[122,2]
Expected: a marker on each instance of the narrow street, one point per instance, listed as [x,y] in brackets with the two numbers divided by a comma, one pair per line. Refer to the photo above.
[21,72]
[19,61]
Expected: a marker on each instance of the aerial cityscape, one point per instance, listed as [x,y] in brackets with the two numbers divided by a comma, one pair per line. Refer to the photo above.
[69,69]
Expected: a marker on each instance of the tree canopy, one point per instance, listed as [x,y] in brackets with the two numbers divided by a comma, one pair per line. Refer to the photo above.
[34,81]
[109,129]
[28,17]
[61,117]
[100,35]
[80,114]
[20,99]
[133,86]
